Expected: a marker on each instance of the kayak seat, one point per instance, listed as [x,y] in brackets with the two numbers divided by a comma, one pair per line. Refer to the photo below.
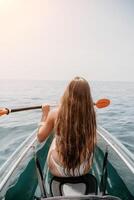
[74,186]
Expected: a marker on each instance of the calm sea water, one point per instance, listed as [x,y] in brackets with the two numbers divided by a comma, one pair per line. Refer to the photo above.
[118,118]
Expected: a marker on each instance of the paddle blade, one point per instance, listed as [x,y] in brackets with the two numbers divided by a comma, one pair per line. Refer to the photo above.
[3,111]
[102,103]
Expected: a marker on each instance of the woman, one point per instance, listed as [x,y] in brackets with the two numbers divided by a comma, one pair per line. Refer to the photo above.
[71,152]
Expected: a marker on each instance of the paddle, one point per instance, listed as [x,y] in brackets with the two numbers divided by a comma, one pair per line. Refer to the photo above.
[101,103]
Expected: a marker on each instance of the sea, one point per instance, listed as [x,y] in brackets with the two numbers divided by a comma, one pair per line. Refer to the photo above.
[117,118]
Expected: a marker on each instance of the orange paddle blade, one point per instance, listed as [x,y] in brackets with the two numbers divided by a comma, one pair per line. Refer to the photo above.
[102,103]
[3,111]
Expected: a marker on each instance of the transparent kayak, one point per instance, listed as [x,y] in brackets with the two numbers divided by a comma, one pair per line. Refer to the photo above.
[19,178]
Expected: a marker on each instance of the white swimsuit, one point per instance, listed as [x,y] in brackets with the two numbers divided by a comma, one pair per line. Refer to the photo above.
[63,171]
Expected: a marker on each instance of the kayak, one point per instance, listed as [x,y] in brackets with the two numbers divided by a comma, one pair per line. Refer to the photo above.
[111,176]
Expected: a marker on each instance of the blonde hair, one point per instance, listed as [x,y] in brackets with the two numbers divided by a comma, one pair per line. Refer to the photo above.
[76,124]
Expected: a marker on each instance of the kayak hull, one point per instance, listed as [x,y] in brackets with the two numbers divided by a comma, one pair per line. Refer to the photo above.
[120,171]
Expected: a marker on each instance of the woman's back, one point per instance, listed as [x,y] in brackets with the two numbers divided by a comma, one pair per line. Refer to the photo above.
[76,125]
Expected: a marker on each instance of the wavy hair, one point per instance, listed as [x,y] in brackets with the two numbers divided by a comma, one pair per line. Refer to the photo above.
[76,125]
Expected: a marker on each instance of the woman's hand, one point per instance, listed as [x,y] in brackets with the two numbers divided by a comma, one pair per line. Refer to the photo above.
[45,111]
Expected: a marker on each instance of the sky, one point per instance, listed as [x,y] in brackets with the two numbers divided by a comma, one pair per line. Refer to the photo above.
[60,39]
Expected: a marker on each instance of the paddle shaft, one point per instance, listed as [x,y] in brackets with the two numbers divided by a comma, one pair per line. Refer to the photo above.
[27,108]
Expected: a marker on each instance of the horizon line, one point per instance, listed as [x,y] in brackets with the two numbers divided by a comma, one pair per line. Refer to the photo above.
[23,79]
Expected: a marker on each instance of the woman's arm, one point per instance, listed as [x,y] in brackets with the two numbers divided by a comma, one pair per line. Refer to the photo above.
[46,124]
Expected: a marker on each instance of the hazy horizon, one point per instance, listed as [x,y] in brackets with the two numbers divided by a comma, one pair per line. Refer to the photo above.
[61,39]
[23,79]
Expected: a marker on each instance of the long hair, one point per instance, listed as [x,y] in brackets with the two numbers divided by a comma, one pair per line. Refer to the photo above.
[76,125]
